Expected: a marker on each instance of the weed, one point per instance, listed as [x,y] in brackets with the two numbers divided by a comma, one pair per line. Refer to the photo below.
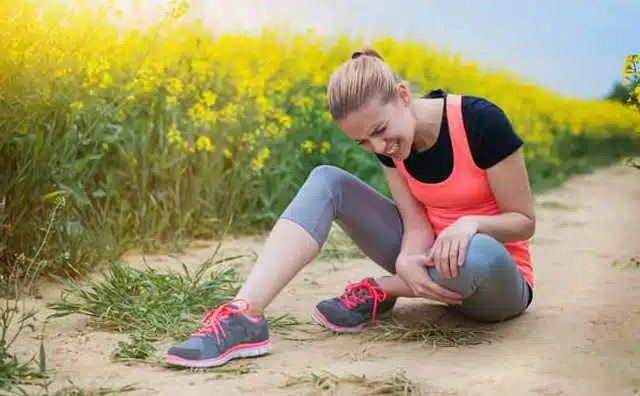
[326,383]
[428,332]
[149,301]
[139,347]
[74,390]
[633,262]
[557,205]
[150,304]
[16,318]
[632,162]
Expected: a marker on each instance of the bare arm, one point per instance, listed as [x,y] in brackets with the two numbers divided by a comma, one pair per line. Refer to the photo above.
[418,234]
[417,239]
[510,185]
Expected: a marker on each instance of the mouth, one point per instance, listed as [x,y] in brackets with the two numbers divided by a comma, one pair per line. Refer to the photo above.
[392,149]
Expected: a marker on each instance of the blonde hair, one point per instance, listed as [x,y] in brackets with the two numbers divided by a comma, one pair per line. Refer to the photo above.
[357,81]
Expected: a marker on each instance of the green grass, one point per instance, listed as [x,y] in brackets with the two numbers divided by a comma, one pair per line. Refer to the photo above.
[148,300]
[150,305]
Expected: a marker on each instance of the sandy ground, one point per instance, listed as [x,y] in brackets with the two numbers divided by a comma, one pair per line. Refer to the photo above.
[580,336]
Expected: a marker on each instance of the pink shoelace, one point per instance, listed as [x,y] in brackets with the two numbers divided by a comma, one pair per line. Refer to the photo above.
[213,319]
[353,295]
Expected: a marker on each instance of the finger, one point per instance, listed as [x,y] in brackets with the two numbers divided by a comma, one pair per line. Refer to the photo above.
[444,259]
[426,293]
[427,259]
[462,252]
[444,293]
[453,257]
[432,254]
[435,254]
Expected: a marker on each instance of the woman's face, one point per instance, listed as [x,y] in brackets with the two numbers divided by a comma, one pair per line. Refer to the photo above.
[386,129]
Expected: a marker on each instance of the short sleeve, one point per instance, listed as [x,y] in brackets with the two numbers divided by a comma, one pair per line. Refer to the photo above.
[492,137]
[386,160]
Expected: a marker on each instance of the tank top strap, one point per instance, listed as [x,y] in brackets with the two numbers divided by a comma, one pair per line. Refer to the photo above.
[459,142]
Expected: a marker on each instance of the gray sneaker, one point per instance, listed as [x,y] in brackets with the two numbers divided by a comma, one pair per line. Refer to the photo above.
[361,303]
[229,333]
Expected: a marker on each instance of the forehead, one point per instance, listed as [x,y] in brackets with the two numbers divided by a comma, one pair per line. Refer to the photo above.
[359,124]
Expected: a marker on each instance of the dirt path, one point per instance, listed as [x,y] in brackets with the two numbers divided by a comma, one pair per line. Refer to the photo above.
[580,336]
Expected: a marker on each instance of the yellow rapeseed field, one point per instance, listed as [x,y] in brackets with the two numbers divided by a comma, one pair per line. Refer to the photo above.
[167,132]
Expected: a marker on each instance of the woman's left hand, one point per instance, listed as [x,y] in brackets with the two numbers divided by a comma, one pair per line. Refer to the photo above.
[450,247]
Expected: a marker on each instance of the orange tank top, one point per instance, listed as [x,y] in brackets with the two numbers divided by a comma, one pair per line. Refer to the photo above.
[465,192]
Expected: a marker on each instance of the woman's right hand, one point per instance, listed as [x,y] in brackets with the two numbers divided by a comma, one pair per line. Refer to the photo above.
[412,269]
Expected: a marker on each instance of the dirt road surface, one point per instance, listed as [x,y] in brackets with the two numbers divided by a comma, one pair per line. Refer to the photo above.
[581,335]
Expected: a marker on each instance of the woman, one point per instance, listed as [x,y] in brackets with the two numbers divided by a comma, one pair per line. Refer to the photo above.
[456,230]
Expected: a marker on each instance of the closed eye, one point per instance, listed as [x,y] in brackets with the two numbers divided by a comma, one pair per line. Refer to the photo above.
[379,129]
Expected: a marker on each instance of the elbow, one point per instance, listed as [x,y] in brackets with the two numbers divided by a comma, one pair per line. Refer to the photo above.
[530,227]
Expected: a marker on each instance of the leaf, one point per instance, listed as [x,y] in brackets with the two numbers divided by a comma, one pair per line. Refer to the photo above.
[42,359]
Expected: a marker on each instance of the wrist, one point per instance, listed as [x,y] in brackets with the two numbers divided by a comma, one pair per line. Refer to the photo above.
[474,222]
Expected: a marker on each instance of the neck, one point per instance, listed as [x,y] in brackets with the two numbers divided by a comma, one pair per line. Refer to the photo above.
[428,113]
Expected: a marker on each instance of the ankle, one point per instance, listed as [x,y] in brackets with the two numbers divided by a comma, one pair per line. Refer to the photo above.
[386,285]
[248,307]
[256,313]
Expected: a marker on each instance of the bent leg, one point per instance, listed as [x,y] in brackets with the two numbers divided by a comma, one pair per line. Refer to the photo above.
[492,287]
[238,328]
[370,219]
[329,194]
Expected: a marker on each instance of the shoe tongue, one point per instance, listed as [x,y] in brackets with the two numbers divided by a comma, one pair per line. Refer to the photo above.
[372,281]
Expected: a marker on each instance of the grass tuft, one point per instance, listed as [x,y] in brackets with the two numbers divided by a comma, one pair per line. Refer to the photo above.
[632,262]
[557,206]
[151,305]
[326,383]
[428,332]
[149,301]
[74,390]
[138,348]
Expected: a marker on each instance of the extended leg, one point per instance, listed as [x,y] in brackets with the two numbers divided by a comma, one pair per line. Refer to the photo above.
[329,194]
[238,328]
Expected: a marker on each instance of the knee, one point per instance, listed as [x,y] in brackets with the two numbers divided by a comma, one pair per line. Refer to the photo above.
[486,254]
[327,175]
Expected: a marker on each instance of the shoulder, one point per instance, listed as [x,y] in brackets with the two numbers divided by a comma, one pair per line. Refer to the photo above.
[476,109]
[491,135]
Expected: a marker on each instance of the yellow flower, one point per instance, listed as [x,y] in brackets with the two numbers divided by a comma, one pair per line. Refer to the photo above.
[285,121]
[203,143]
[209,98]
[227,153]
[325,147]
[258,162]
[175,87]
[307,146]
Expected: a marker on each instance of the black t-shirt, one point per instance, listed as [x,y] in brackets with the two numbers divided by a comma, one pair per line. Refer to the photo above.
[490,135]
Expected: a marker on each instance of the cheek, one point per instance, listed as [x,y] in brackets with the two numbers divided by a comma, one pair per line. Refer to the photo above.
[399,131]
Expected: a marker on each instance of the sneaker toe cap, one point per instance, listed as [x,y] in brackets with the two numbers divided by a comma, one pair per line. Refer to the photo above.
[338,314]
[192,349]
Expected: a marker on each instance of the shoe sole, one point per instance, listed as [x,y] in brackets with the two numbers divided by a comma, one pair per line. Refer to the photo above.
[237,352]
[321,319]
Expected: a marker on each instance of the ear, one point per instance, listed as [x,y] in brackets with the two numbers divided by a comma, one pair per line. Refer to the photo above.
[404,93]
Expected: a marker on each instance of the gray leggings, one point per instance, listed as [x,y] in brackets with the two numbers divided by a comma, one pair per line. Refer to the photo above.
[491,286]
